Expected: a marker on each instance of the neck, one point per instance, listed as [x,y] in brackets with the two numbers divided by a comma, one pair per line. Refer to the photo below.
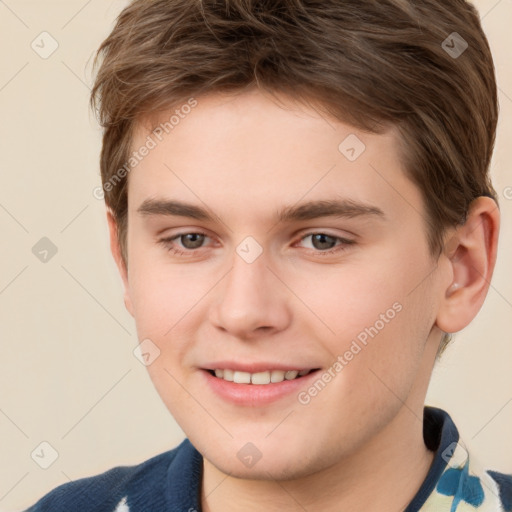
[384,474]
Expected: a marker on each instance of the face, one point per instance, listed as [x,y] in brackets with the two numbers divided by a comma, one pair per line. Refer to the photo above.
[262,240]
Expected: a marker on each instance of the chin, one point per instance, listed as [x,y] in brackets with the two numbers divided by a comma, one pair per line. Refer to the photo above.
[281,458]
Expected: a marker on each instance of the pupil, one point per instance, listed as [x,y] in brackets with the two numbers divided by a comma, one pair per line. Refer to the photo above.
[319,237]
[195,243]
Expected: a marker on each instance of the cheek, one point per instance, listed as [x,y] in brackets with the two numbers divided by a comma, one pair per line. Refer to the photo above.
[378,321]
[389,353]
[162,296]
[348,300]
[164,302]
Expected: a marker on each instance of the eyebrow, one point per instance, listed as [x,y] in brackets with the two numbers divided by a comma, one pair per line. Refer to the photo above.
[342,208]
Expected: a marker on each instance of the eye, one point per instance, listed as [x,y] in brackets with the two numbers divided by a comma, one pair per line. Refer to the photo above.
[190,241]
[323,243]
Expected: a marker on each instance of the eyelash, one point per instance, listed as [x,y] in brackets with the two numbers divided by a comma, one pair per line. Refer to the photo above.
[168,243]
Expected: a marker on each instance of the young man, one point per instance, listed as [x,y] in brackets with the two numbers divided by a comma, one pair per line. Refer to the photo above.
[300,209]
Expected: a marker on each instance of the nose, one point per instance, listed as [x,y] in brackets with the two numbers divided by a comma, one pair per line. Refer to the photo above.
[251,300]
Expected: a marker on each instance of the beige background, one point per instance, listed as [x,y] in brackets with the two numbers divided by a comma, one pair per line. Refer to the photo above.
[67,372]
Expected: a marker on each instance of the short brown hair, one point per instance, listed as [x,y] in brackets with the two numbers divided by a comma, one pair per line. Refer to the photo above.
[369,63]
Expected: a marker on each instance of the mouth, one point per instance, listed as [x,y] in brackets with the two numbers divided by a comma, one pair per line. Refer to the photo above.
[259,378]
[257,388]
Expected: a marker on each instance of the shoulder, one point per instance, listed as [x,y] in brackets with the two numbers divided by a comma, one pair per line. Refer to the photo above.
[473,488]
[107,491]
[502,484]
[457,479]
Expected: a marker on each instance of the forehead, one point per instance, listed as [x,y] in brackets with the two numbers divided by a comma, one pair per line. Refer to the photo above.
[248,153]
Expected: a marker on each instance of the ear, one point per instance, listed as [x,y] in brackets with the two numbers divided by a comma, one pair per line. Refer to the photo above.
[115,248]
[471,256]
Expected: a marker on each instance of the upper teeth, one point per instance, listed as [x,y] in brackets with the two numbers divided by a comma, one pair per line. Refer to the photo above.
[260,377]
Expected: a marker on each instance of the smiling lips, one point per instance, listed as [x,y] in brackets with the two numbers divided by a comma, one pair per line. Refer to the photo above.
[256,384]
[260,378]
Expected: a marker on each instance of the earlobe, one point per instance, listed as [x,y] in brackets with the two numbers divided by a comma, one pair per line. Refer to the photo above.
[116,253]
[471,256]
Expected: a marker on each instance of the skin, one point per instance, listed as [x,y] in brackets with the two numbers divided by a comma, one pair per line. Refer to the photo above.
[358,444]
